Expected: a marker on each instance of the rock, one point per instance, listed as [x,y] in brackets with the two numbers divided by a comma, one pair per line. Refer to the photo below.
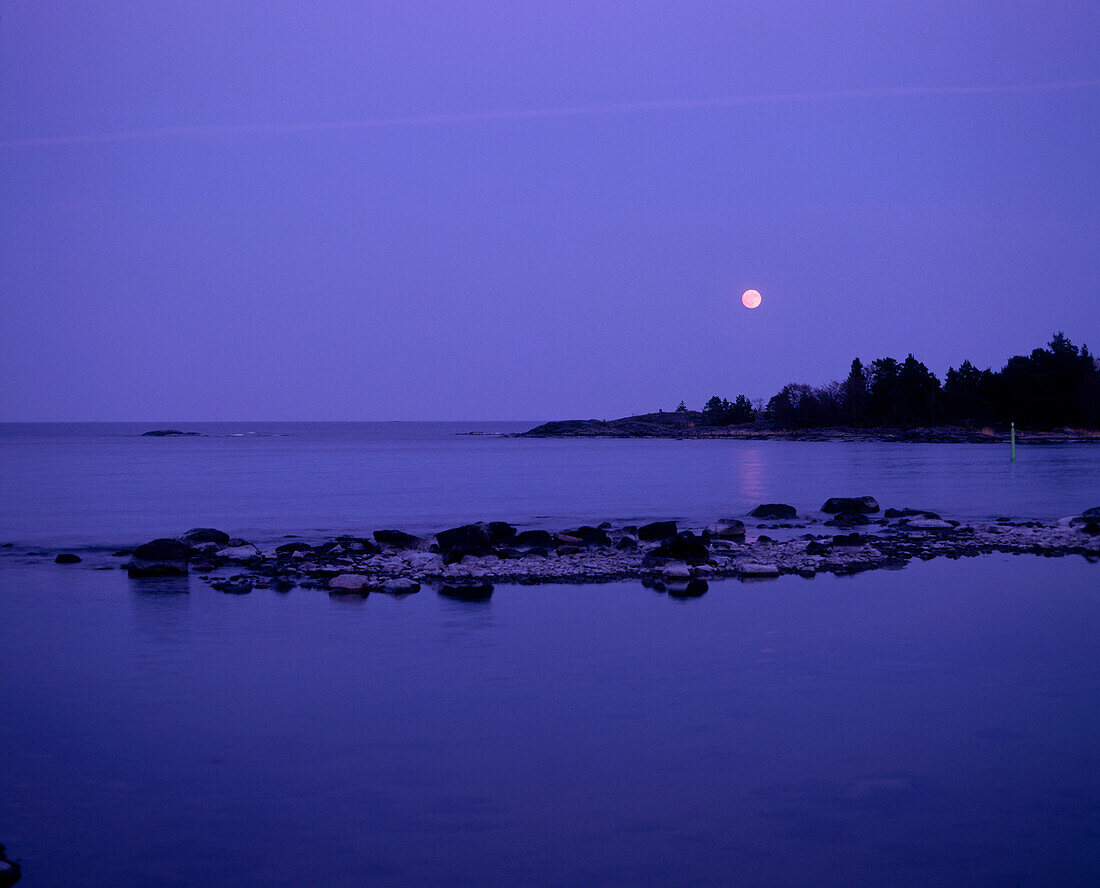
[396,538]
[239,553]
[626,544]
[288,549]
[201,566]
[848,539]
[569,550]
[349,583]
[727,529]
[473,538]
[929,524]
[1092,514]
[677,570]
[160,558]
[122,553]
[774,511]
[467,591]
[501,530]
[1092,528]
[686,547]
[171,433]
[590,536]
[658,530]
[753,569]
[400,586]
[10,870]
[816,548]
[528,538]
[67,558]
[205,535]
[850,504]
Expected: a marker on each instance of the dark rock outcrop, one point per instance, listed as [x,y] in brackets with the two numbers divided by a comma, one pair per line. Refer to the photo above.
[686,547]
[1092,514]
[396,538]
[774,511]
[658,530]
[528,538]
[501,530]
[171,433]
[160,558]
[472,537]
[67,558]
[837,504]
[205,535]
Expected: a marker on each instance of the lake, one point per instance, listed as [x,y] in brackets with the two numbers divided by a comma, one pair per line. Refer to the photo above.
[935,725]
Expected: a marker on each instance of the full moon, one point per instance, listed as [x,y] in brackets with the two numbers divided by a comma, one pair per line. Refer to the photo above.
[750,298]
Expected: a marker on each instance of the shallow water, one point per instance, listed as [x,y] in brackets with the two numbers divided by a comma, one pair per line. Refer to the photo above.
[86,485]
[931,726]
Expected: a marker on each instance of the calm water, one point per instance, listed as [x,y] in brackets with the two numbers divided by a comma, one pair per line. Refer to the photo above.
[933,726]
[105,485]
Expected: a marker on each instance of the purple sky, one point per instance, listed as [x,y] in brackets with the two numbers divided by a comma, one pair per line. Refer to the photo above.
[318,210]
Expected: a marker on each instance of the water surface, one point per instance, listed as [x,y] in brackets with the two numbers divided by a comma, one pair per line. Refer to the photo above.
[931,726]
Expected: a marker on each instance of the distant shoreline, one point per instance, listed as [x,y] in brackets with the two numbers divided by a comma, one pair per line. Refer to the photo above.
[690,424]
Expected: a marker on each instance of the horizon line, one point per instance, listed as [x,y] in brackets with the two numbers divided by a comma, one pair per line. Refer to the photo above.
[201,130]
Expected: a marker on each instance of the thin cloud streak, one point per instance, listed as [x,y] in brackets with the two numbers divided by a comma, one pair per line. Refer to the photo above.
[535,113]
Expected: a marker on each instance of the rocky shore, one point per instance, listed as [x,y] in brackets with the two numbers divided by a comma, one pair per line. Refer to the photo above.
[848,535]
[685,424]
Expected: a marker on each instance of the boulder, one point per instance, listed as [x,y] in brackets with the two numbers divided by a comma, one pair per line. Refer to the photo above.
[685,547]
[400,586]
[774,510]
[349,583]
[657,530]
[471,537]
[67,558]
[205,535]
[288,549]
[929,524]
[160,558]
[727,529]
[239,553]
[816,548]
[1092,514]
[528,538]
[501,530]
[396,538]
[1092,528]
[836,504]
[848,539]
[590,536]
[677,570]
[626,543]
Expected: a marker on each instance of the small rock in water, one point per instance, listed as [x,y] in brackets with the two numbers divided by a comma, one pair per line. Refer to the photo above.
[677,570]
[775,511]
[850,504]
[727,529]
[67,558]
[400,586]
[349,583]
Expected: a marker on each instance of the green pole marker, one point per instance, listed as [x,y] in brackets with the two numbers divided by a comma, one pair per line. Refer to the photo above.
[1013,442]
